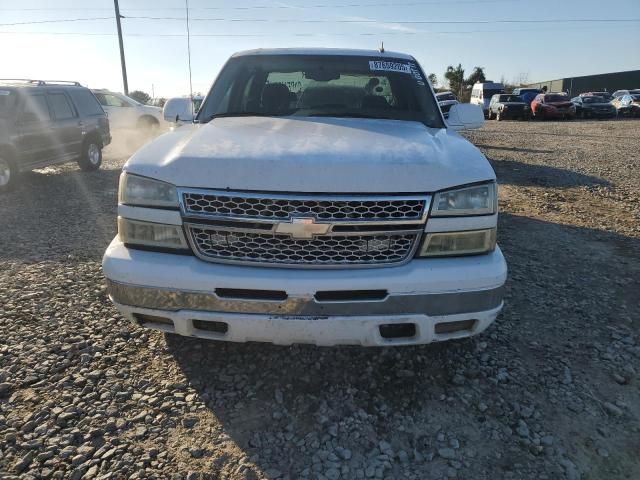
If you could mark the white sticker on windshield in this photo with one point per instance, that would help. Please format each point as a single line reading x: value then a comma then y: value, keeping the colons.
x: 415, y: 71
x: 5, y: 92
x: 389, y: 66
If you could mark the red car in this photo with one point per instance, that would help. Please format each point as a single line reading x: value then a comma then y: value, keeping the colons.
x: 552, y: 105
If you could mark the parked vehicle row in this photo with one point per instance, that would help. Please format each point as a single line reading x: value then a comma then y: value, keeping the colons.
x: 49, y: 122
x: 559, y: 106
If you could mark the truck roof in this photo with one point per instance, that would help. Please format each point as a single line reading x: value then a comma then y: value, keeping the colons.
x: 323, y: 51
x: 488, y: 84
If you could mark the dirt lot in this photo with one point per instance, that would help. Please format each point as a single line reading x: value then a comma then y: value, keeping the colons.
x: 550, y: 391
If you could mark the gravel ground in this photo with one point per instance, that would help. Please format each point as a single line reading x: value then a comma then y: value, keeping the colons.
x: 550, y: 391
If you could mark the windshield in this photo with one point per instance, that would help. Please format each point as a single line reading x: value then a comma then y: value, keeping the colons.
x: 488, y: 93
x: 555, y: 98
x: 445, y: 96
x: 7, y: 100
x: 509, y: 98
x: 635, y: 98
x: 321, y: 85
x: 593, y: 100
x: 130, y: 100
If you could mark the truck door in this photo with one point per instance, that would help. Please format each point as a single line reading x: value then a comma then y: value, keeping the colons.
x: 35, y: 136
x: 67, y: 127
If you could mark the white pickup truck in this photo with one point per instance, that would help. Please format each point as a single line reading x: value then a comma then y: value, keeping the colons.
x: 319, y: 197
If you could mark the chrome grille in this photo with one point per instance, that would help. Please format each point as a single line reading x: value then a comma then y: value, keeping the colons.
x: 277, y: 207
x: 303, y: 230
x: 362, y: 249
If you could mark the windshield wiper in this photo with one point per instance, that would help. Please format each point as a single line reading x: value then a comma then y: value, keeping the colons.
x: 237, y: 114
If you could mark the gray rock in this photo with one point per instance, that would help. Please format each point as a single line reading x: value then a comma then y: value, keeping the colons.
x: 612, y: 409
x: 5, y: 388
x: 196, y: 452
x: 332, y: 474
x: 570, y: 469
x: 23, y: 463
x: 448, y: 453
x: 522, y: 429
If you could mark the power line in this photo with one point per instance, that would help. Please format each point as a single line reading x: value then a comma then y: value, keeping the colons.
x: 277, y: 7
x: 339, y: 21
x: 300, y: 34
x: 64, y: 20
x: 403, y: 22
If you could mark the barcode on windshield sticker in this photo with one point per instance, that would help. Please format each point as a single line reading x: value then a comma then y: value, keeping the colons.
x: 389, y: 66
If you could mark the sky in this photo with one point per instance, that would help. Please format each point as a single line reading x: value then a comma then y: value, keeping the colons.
x: 84, y: 47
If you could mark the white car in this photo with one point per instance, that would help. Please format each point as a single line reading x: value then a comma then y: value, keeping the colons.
x: 181, y: 110
x: 126, y: 114
x: 319, y: 198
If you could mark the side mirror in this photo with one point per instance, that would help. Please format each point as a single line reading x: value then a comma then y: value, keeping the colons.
x: 465, y: 116
x: 170, y: 115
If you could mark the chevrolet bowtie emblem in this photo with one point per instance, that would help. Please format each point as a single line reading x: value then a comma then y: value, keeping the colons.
x: 302, y: 228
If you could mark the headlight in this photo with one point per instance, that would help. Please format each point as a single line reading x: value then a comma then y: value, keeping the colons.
x: 135, y: 232
x: 472, y: 242
x: 146, y: 192
x: 476, y: 200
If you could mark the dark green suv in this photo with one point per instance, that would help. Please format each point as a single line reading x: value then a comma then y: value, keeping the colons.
x: 45, y: 123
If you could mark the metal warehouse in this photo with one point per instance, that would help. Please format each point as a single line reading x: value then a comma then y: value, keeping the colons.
x: 609, y: 82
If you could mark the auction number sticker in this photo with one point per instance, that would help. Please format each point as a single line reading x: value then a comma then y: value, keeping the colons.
x: 389, y: 66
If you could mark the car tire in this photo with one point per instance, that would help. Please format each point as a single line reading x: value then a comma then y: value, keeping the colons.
x: 91, y: 157
x: 148, y: 125
x: 8, y: 173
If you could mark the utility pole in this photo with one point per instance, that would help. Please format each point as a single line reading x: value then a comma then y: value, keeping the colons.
x: 186, y: 7
x: 122, y: 62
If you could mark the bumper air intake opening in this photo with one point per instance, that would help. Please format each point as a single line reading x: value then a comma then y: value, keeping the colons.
x: 351, y: 295
x: 242, y: 294
x: 394, y: 331
x: 444, y: 328
x: 214, y: 327
x: 152, y: 321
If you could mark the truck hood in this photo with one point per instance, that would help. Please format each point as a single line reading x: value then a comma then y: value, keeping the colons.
x: 312, y: 155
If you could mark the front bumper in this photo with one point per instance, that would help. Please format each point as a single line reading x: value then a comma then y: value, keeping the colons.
x: 186, y: 293
x: 517, y: 114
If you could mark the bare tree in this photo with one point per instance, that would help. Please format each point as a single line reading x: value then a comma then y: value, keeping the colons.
x: 140, y: 96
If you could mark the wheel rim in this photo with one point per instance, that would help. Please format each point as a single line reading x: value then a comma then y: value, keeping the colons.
x: 5, y: 173
x: 93, y: 154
